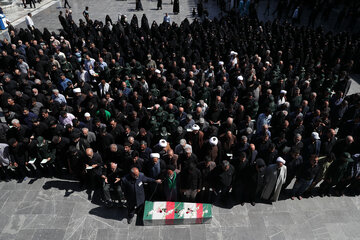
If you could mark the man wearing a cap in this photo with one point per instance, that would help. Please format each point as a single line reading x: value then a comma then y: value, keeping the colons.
x: 312, y: 145
x: 196, y: 139
x: 275, y: 177
x: 155, y: 168
x: 282, y: 98
x: 161, y: 147
x: 212, y: 148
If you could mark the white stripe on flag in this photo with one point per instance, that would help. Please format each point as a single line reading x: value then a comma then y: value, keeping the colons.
x: 189, y: 210
x: 158, y: 210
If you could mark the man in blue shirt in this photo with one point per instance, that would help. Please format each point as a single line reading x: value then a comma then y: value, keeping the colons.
x: 58, y: 97
x: 103, y: 65
x: 63, y: 84
x: 166, y: 18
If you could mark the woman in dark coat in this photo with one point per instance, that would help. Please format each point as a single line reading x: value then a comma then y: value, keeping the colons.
x: 139, y: 5
x: 176, y: 8
x: 159, y: 4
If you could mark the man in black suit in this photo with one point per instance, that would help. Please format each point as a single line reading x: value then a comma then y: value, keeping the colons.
x: 111, y: 180
x: 133, y: 187
x: 93, y: 164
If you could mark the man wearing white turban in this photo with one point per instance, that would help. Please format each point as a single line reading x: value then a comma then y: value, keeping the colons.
x: 275, y: 177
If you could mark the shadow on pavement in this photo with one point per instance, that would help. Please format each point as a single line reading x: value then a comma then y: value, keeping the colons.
x: 69, y: 187
x: 109, y: 213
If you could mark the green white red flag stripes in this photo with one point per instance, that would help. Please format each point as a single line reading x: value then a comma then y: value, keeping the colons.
x: 176, y: 213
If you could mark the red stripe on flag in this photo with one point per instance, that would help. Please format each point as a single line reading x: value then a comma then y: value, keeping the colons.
x: 170, y: 213
x: 199, y: 213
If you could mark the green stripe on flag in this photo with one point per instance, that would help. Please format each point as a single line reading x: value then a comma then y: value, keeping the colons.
x: 178, y: 213
x: 207, y: 211
x: 149, y: 207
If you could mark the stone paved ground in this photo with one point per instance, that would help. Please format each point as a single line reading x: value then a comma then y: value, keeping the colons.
x: 55, y: 209
x: 99, y: 9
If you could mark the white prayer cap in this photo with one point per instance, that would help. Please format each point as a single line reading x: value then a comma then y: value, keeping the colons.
x: 162, y: 143
x: 283, y: 92
x: 195, y: 127
x: 213, y: 141
x: 154, y: 155
x: 87, y: 114
x: 77, y: 90
x: 280, y: 159
x: 240, y: 78
x: 221, y: 63
x: 157, y: 71
x: 232, y: 53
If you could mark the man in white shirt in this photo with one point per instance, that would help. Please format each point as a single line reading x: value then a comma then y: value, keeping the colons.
x: 29, y: 22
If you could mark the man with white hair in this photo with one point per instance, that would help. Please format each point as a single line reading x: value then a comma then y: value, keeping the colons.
x: 18, y: 131
x: 275, y: 177
x: 112, y: 180
x: 58, y: 97
x: 89, y: 136
x: 187, y: 158
x: 180, y: 148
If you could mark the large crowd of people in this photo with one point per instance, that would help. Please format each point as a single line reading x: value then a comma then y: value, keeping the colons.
x: 220, y: 110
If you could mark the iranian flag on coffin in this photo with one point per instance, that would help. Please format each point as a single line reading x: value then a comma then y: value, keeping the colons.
x: 159, y: 213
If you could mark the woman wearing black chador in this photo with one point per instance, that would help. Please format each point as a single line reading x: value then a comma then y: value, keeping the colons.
x: 176, y: 8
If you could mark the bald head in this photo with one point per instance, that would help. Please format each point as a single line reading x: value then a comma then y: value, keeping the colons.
x: 135, y: 172
x: 89, y: 152
x: 349, y: 139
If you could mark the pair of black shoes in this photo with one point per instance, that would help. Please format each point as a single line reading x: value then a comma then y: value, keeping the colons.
x: 252, y: 203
